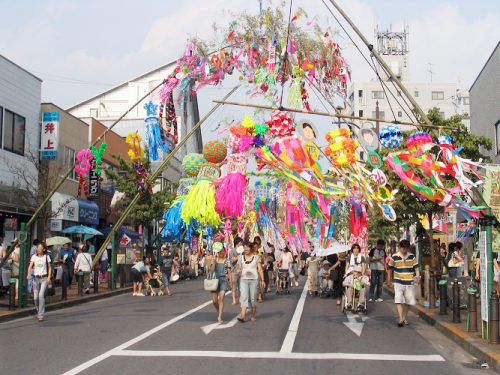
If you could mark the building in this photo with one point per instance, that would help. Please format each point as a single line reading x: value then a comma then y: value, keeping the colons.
x: 108, y: 106
x: 20, y: 94
x: 67, y: 207
x: 394, y: 49
x: 485, y: 103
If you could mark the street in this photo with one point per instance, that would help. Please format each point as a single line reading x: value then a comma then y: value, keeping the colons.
x: 176, y: 335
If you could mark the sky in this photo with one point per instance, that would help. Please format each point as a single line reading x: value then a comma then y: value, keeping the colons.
x: 83, y: 47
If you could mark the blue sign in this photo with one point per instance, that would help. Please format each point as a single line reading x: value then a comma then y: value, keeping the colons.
x: 88, y: 212
x: 49, y: 140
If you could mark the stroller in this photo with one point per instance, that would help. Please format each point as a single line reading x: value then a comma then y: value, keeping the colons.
x: 154, y: 286
x: 283, y: 281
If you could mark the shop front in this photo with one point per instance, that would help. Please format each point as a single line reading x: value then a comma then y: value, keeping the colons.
x: 69, y: 211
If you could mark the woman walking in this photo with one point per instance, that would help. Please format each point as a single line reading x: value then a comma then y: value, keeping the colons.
x: 42, y: 269
x: 250, y: 270
x: 83, y: 264
x: 221, y: 269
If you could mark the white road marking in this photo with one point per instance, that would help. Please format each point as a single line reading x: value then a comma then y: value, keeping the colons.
x: 353, y: 324
x: 209, y: 328
x: 289, y: 340
x: 133, y: 341
x: 281, y: 355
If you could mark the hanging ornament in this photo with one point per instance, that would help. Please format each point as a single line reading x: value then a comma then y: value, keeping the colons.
x: 342, y: 148
x: 230, y: 193
x: 280, y: 124
x: 390, y: 136
x: 192, y: 163
x: 214, y: 151
x: 82, y: 169
x: 135, y: 152
x: 98, y: 153
x: 156, y: 137
x: 419, y: 141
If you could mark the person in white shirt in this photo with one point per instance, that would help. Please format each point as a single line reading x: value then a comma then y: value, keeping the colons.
x: 137, y: 272
x: 83, y: 264
x: 42, y: 269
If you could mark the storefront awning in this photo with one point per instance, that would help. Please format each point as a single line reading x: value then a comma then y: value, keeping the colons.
x: 74, y: 209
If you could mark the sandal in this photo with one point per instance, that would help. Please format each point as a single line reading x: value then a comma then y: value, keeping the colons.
x: 240, y: 319
x: 406, y: 323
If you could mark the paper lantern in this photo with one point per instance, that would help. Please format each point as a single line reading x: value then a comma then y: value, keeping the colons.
x: 192, y: 163
x: 418, y: 141
x: 215, y: 151
x: 390, y: 136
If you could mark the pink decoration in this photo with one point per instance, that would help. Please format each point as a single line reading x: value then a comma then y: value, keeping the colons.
x: 245, y: 143
x: 84, y: 158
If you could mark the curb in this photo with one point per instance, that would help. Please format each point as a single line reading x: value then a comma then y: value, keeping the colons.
x: 479, y: 348
x: 63, y: 304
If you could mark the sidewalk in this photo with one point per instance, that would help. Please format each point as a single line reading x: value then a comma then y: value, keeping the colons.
x: 55, y: 303
x: 470, y: 341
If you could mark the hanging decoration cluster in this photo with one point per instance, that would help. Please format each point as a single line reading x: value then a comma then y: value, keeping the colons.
x: 136, y: 154
x: 82, y: 168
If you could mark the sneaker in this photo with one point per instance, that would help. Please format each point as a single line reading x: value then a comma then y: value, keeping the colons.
x: 361, y: 307
x: 379, y: 300
x: 140, y: 295
x: 296, y: 283
x: 134, y: 294
x: 370, y: 300
x: 406, y: 323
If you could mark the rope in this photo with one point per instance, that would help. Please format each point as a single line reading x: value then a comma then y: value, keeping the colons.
x: 383, y: 89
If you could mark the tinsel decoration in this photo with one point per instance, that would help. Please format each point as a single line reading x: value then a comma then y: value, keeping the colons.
x: 98, y: 153
x: 155, y: 136
x: 82, y: 168
x: 280, y: 124
x: 167, y: 113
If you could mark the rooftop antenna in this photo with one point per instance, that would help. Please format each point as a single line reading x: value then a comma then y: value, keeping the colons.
x: 431, y: 72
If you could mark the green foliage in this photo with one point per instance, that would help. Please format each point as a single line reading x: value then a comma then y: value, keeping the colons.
x: 150, y: 206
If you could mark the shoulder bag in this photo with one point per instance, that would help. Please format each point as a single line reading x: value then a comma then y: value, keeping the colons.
x: 211, y: 284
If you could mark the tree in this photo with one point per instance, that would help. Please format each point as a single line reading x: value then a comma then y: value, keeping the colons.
x: 151, y: 206
x: 407, y: 205
x: 34, y: 180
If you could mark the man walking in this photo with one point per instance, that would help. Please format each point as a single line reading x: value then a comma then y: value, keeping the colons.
x: 376, y: 257
x: 166, y: 268
x: 404, y: 269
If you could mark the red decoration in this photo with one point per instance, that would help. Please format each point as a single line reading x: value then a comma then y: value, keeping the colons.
x: 280, y: 124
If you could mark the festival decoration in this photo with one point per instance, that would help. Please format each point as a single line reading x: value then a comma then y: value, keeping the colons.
x: 214, y: 151
x: 230, y: 192
x: 419, y: 141
x: 298, y: 240
x: 185, y: 185
x: 390, y: 136
x: 82, y: 168
x: 155, y: 136
x: 280, y: 124
x: 136, y: 154
x: 342, y: 148
x: 174, y: 225
x: 98, y: 153
x: 192, y: 163
x: 374, y: 160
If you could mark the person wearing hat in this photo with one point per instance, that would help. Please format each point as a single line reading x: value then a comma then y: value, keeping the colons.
x: 356, y: 281
x: 221, y: 269
x: 324, y: 276
x: 166, y: 269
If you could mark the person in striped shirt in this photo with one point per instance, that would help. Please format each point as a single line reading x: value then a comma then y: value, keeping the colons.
x: 403, y: 267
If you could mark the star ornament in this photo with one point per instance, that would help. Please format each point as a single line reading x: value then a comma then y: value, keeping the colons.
x: 150, y: 108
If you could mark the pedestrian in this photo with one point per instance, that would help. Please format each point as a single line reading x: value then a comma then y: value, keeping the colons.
x: 250, y: 270
x: 67, y: 261
x: 355, y: 259
x: 136, y: 272
x: 233, y: 256
x: 459, y: 248
x: 166, y: 269
x: 41, y: 267
x: 193, y: 262
x: 221, y: 269
x: 337, y: 273
x: 312, y: 264
x: 34, y: 247
x: 104, y: 263
x: 83, y: 265
x: 443, y: 258
x: 6, y: 267
x: 356, y: 281
x: 209, y: 259
x: 90, y: 247
x: 404, y: 269
x: 14, y: 256
x: 376, y: 258
x: 455, y: 260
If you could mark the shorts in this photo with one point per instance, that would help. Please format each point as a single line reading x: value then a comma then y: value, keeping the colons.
x: 136, y: 276
x: 404, y: 294
x: 165, y: 277
x: 223, y: 284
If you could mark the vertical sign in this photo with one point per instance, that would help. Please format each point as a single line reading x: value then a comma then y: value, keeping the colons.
x: 93, y: 182
x: 492, y: 197
x: 49, y: 136
x: 483, y: 257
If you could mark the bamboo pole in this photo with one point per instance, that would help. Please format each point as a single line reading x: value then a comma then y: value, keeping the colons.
x: 152, y: 177
x: 327, y: 114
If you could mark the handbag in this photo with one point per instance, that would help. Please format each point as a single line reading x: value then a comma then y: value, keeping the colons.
x: 211, y: 285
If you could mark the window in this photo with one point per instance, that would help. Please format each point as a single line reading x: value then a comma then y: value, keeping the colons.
x: 360, y: 113
x: 381, y: 115
x: 437, y: 95
x: 497, y: 137
x: 415, y: 94
x: 378, y: 95
x: 360, y: 93
x: 14, y: 127
x: 94, y: 112
x: 466, y: 100
x: 400, y: 114
x: 68, y: 159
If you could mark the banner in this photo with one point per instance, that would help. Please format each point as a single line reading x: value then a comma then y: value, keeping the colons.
x: 492, y: 197
x: 49, y: 136
x: 93, y: 182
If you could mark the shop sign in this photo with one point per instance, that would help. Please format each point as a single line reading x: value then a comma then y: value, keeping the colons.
x: 483, y: 259
x: 49, y: 136
x: 56, y: 225
x: 93, y: 182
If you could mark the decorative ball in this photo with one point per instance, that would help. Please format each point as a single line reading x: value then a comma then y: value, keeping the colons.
x: 280, y: 124
x: 445, y: 140
x: 215, y: 151
x: 217, y: 246
x: 390, y: 136
x: 192, y: 163
x: 418, y: 140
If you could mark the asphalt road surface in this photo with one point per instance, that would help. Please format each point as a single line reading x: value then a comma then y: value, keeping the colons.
x: 293, y: 334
